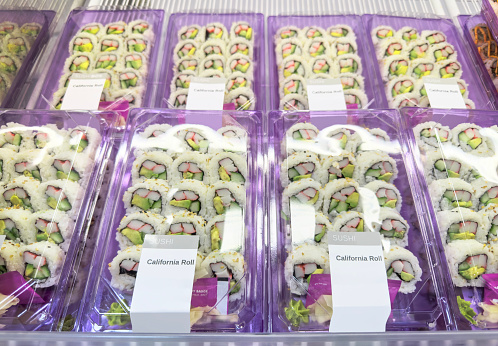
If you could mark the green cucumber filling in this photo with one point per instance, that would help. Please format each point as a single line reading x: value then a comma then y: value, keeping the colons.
x: 186, y: 199
x: 387, y: 198
x: 320, y: 231
x: 65, y: 170
x: 228, y: 171
x: 451, y: 168
x: 403, y: 270
x: 136, y: 230
x: 492, y: 234
x: 470, y: 137
x: 341, y: 169
x: 79, y: 140
x: 345, y: 48
x: 418, y: 51
x: 304, y: 134
x: 196, y: 142
x: 473, y: 267
x: 139, y: 46
x: 128, y: 80
x: 17, y: 197
x: 80, y: 63
x: 392, y: 228
x: 182, y: 228
x: 490, y: 196
x: 46, y: 230
x: 91, y: 29
x: 342, y: 138
x: 321, y: 66
x: 36, y: 266
x: 190, y: 170
x: 224, y: 200
x: 214, y: 31
x: 7, y: 65
x: 9, y: 229
x: 457, y: 198
x: 462, y: 231
x: 12, y: 138
x: 422, y: 70
x: 221, y: 270
x: 140, y: 28
x: 16, y: 46
x: 82, y: 44
x: 431, y: 134
x: 339, y: 32
x: 146, y: 199
x: 449, y: 70
x: 41, y: 139
x: 402, y: 87
x: 288, y: 33
x: 344, y: 200
x: 307, y: 196
x: 152, y: 170
x: 115, y: 29
x: 133, y: 61
x: 243, y: 30
x: 107, y: 61
x: 27, y: 169
x: 304, y: 170
x: 183, y: 81
x: 349, y: 83
x: 410, y: 35
x: 382, y: 170
x: 57, y: 199
x: 190, y: 33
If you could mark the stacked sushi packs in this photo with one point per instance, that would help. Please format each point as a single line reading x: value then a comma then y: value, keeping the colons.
x: 15, y: 43
x: 316, y: 53
x: 118, y: 50
x: 345, y: 176
x: 44, y: 172
x: 186, y: 180
x: 488, y: 50
x: 460, y: 169
x: 407, y: 55
x: 212, y: 52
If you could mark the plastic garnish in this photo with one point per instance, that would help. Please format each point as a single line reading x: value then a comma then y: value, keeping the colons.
x: 117, y: 315
x: 297, y: 313
x: 466, y: 310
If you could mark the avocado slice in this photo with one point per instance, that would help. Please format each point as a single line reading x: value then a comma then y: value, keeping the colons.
x: 391, y: 203
x: 193, y: 145
x: 333, y: 205
x: 484, y: 198
x: 492, y: 201
x: 373, y: 172
x: 28, y: 271
x: 64, y: 205
x: 474, y: 143
x: 218, y: 205
x: 386, y: 177
x: 299, y: 177
x: 223, y: 174
x: 319, y: 236
x: 234, y: 289
x: 52, y: 202
x: 472, y: 273
x: 141, y: 202
x: 390, y: 272
x: 215, y: 239
x: 57, y: 237
x: 181, y: 204
x: 353, y: 199
x: 133, y: 235
x: 188, y: 175
x: 399, y: 235
x: 462, y: 236
x: 317, y: 271
x: 314, y: 199
x: 452, y: 174
x: 348, y: 171
x: 406, y: 276
x: 17, y: 139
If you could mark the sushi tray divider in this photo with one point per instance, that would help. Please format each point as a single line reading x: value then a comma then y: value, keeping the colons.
x: 430, y: 308
x: 475, y: 87
x: 467, y: 23
x: 98, y: 290
x: 274, y: 23
x: 105, y: 15
x: 179, y: 20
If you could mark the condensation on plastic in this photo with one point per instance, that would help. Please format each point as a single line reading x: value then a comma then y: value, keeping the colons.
x: 326, y: 21
x: 414, y: 311
x: 45, y: 316
x: 476, y: 91
x: 179, y: 20
x: 81, y: 16
x: 245, y: 314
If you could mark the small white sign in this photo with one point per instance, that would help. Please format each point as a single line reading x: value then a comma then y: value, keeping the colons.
x: 2, y: 239
x: 444, y: 93
x: 325, y: 95
x: 163, y: 288
x: 360, y: 293
x: 84, y: 92
x: 302, y: 222
x: 206, y: 94
x: 233, y: 234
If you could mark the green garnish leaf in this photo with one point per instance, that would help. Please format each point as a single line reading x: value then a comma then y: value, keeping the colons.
x: 466, y: 310
x: 117, y: 315
x: 297, y: 313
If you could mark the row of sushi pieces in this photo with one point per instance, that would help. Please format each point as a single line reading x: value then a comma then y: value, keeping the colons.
x: 488, y: 50
x: 208, y: 52
x: 466, y: 203
x: 406, y: 56
x: 319, y: 56
x: 122, y: 55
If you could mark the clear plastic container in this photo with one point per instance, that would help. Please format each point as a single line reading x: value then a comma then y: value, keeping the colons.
x: 50, y: 186
x: 417, y: 308
x: 106, y: 298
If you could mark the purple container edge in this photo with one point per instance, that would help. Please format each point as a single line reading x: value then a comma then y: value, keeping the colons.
x: 490, y: 17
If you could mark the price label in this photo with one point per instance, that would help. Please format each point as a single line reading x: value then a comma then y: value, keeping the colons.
x: 444, y: 93
x: 325, y: 94
x: 84, y: 92
x: 206, y: 94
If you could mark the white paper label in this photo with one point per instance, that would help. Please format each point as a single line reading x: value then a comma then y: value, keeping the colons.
x: 233, y: 230
x: 325, y: 95
x: 444, y: 93
x: 206, y: 94
x: 2, y: 239
x: 360, y: 293
x: 83, y: 92
x: 163, y: 288
x: 302, y: 222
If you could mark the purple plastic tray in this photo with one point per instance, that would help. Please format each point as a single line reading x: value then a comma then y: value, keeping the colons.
x: 468, y: 23
x: 414, y: 311
x: 46, y: 316
x: 179, y: 20
x: 490, y: 16
x: 99, y: 294
x: 450, y: 118
x: 477, y: 92
x: 79, y: 18
x: 354, y: 21
x: 20, y: 17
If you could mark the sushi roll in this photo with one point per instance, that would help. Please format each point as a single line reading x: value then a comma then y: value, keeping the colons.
x: 223, y: 196
x: 469, y: 104
x: 418, y: 49
x: 286, y: 32
x: 135, y: 61
x: 16, y: 45
x: 407, y: 34
x: 238, y: 80
x: 30, y: 30
x: 228, y: 167
x: 5, y: 156
x: 78, y: 62
x: 393, y: 227
x: 242, y: 30
x: 343, y: 46
x: 443, y: 51
x: 124, y: 268
x: 317, y: 47
x: 43, y: 263
x: 433, y: 36
x: 462, y: 224
x: 7, y: 28
x: 340, y: 196
x: 490, y: 223
x: 387, y: 194
x: 467, y: 261
x: 10, y: 65
x: 293, y: 84
x: 352, y: 81
x: 187, y: 63
x: 486, y: 193
x: 373, y: 166
x: 300, y: 166
x: 57, y: 98
x: 28, y: 163
x: 395, y: 66
x: 139, y: 44
x: 195, y: 138
x: 243, y: 98
x: 96, y: 29
x: 337, y: 167
x: 293, y: 102
x: 437, y: 166
x: 134, y: 227
x: 15, y: 225
x: 341, y: 31
x: 187, y: 195
x: 215, y: 62
x: 11, y: 257
x: 129, y: 78
x: 213, y: 47
x: 178, y: 99
x: 234, y: 134
x: 447, y: 194
x: 67, y: 166
x: 390, y: 47
x: 115, y: 28
x: 149, y: 195
x: 53, y: 226
x: 288, y: 47
x: 49, y: 137
x: 336, y: 139
x: 212, y: 74
x: 5, y: 85
x: 110, y: 78
x: 449, y: 69
x: 405, y: 100
x: 151, y: 165
x: 349, y: 63
x: 22, y: 192
x: 106, y: 60
x: 214, y: 234
x: 83, y: 43
x: 402, y: 265
x: 294, y: 65
x: 215, y: 31
x: 239, y: 63
x: 84, y: 139
x: 111, y: 43
x: 155, y: 130
x: 302, y: 262
x: 15, y: 137
x: 322, y: 229
x: 430, y: 134
x: 381, y: 33
x: 191, y: 32
x: 420, y: 68
x: 349, y: 221
x: 227, y: 265
x: 66, y: 77
x: 467, y: 137
x: 365, y: 139
x: 186, y: 223
x: 355, y: 99
x: 322, y: 64
x: 312, y: 32
x: 240, y: 46
x: 464, y: 88
x: 399, y: 86
x: 139, y: 27
x: 63, y: 195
